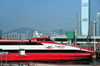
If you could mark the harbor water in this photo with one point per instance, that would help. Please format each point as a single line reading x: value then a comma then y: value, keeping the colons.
x: 89, y: 62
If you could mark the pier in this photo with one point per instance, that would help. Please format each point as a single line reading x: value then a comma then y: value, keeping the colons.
x: 98, y: 54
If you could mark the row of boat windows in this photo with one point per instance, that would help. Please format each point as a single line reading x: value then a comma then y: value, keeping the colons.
x: 20, y: 43
x: 48, y: 51
x: 43, y: 39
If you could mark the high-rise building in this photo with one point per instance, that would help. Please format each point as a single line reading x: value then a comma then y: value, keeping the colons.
x: 85, y: 14
x: 9, y: 36
x: 23, y: 36
x: 60, y: 32
x: 0, y: 33
x: 19, y: 36
x: 55, y: 31
x: 26, y: 34
x: 53, y: 34
x: 78, y: 27
x: 91, y: 29
x: 98, y: 24
x: 5, y: 36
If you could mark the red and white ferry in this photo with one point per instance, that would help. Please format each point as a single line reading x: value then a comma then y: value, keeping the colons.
x: 41, y: 48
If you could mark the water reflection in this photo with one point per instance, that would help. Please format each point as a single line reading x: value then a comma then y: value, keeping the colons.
x: 54, y: 63
x: 84, y: 62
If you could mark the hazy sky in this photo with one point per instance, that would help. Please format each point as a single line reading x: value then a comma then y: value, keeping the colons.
x: 44, y: 15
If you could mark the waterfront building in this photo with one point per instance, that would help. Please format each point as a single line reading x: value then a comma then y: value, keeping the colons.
x: 78, y: 27
x: 98, y: 24
x: 9, y: 36
x: 14, y: 35
x: 19, y: 36
x: 45, y: 34
x: 55, y: 31
x: 60, y: 32
x: 5, y: 36
x: 26, y: 34
x: 91, y: 29
x: 54, y: 34
x: 33, y: 34
x: 23, y: 36
x: 85, y: 14
x: 80, y: 39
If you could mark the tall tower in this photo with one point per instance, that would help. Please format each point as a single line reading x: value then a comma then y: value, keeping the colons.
x: 91, y: 31
x: 78, y: 24
x: 98, y: 24
x: 85, y: 14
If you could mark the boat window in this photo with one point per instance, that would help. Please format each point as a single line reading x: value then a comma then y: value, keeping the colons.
x: 8, y: 43
x: 39, y: 39
x: 48, y: 40
x: 33, y: 43
x: 44, y: 40
x: 20, y: 43
x: 59, y: 51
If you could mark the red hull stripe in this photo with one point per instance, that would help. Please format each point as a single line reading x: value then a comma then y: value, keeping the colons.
x: 40, y: 57
x: 45, y: 56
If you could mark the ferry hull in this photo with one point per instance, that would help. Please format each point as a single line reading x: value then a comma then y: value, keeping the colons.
x: 46, y: 56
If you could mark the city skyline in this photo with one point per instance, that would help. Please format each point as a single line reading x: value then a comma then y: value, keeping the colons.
x: 26, y: 34
x: 44, y: 15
